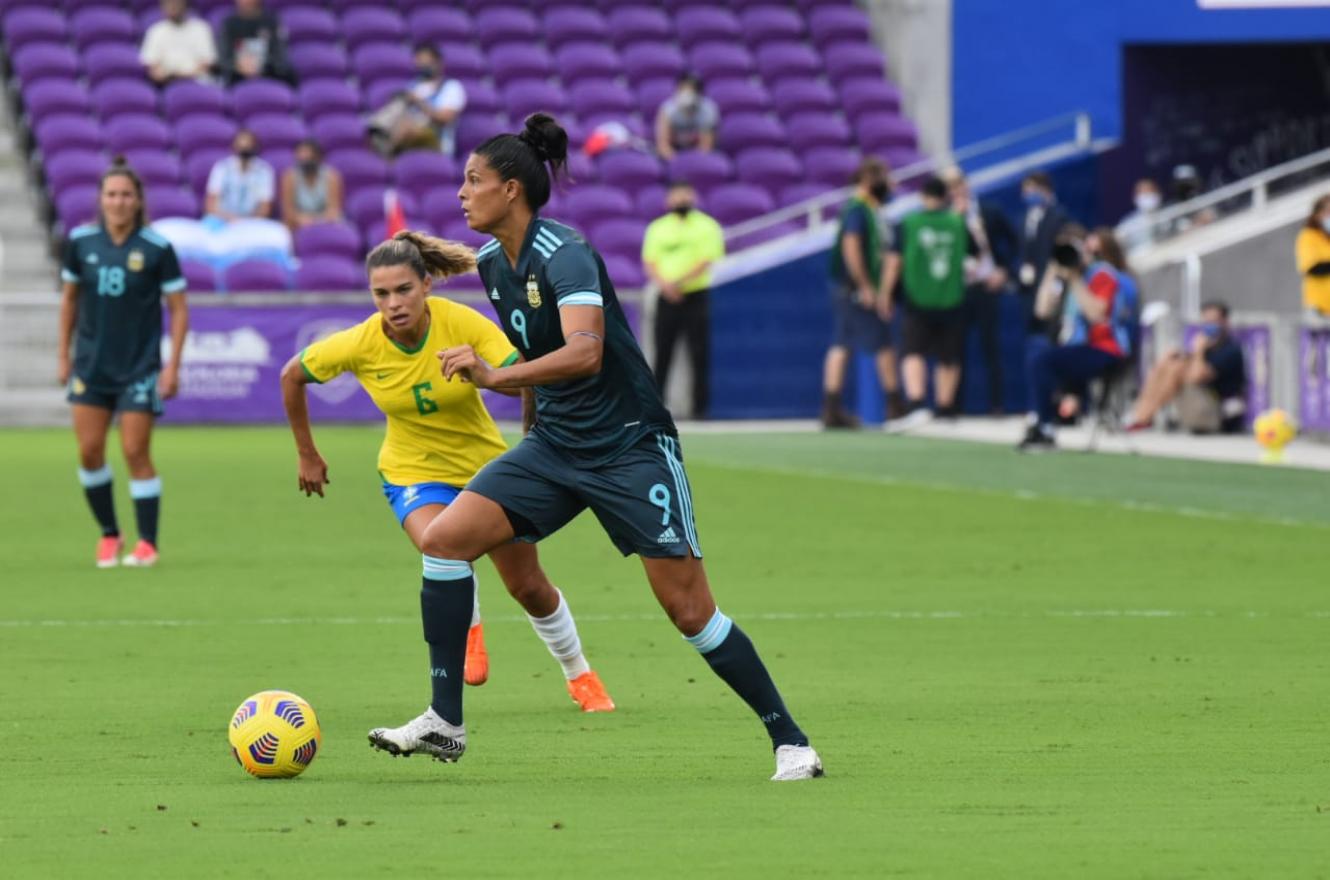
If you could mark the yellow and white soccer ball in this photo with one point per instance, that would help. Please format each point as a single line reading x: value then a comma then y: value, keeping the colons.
x: 1274, y: 429
x: 274, y: 735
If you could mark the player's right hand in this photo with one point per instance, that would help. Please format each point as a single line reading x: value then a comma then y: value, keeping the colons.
x: 313, y: 475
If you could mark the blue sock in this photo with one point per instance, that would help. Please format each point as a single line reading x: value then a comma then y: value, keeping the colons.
x: 147, y: 495
x: 732, y: 656
x: 446, y: 597
x: 97, y: 489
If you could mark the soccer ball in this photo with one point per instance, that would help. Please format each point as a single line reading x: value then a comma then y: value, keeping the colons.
x: 1274, y: 429
x: 274, y: 735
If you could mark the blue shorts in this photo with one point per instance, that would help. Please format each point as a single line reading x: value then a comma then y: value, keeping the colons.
x: 138, y: 396
x: 856, y: 327
x: 404, y: 499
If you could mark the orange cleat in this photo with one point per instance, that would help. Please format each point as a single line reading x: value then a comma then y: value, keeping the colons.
x: 588, y: 692
x: 477, y: 670
x: 108, y: 551
x: 144, y: 556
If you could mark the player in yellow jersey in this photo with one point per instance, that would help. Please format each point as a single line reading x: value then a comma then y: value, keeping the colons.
x: 439, y: 434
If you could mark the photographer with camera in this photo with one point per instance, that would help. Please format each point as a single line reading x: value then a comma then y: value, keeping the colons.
x: 1098, y: 302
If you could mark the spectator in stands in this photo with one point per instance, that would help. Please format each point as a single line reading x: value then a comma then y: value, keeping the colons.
x: 1313, y: 254
x: 311, y: 189
x: 424, y: 116
x: 1210, y: 383
x: 1137, y: 228
x: 687, y: 120
x: 1100, y: 309
x: 253, y: 44
x: 1043, y: 221
x: 180, y: 46
x: 927, y: 256
x: 241, y: 185
x: 1187, y: 186
x: 987, y: 276
x: 678, y: 251
x: 858, y: 296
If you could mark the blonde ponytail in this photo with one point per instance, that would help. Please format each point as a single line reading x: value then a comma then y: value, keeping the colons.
x: 429, y: 256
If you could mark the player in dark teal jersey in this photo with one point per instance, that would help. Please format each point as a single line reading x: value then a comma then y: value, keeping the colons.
x: 601, y: 439
x: 116, y: 273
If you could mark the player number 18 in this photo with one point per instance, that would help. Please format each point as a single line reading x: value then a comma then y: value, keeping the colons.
x: 110, y: 281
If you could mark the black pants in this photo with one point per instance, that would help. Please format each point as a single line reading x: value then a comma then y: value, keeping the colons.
x: 690, y: 319
x: 983, y: 312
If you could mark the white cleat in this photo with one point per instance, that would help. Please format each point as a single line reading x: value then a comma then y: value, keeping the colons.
x: 796, y: 762
x: 429, y: 734
x: 907, y: 423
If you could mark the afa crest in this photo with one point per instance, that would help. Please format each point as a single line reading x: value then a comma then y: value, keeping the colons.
x: 533, y: 291
x: 76, y: 385
x: 134, y: 262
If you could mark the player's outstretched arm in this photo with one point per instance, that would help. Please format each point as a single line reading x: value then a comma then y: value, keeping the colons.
x: 313, y: 470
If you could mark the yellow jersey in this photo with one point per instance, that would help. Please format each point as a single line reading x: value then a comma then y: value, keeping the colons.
x: 438, y: 431
x: 677, y: 244
x: 1313, y: 246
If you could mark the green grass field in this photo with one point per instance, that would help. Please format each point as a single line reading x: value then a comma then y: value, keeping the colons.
x: 1061, y: 666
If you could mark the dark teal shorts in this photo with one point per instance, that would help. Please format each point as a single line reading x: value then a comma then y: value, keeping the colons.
x: 138, y: 396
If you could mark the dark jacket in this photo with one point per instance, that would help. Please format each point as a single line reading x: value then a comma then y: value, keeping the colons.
x: 1037, y: 248
x: 1003, y: 243
x: 236, y: 30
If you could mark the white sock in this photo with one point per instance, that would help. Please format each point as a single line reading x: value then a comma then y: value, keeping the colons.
x: 475, y: 603
x: 559, y: 633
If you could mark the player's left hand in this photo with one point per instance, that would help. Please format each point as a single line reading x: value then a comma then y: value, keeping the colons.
x: 168, y: 382
x: 463, y: 362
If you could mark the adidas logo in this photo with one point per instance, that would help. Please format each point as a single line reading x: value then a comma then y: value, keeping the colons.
x: 92, y: 258
x: 494, y: 294
x: 668, y: 537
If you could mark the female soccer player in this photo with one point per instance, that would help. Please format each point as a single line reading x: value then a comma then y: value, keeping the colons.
x: 116, y: 273
x: 602, y: 439
x: 439, y: 434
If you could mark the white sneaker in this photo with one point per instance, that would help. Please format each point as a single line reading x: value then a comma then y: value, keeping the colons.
x: 429, y: 734
x: 916, y: 419
x: 796, y: 762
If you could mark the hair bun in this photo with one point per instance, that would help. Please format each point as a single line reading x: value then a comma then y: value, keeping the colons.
x: 546, y: 138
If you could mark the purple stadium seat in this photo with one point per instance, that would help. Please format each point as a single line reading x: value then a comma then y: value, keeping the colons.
x: 185, y: 98
x: 481, y: 97
x: 365, y: 25
x: 116, y: 97
x: 704, y: 171
x: 801, y: 192
x: 360, y: 168
x: 144, y: 20
x: 464, y: 61
x: 637, y: 127
x: 377, y: 232
x: 278, y: 131
x: 440, y: 207
x: 581, y: 167
x: 338, y: 132
x: 716, y: 60
x: 474, y: 129
x: 108, y: 60
x: 24, y: 27
x: 435, y: 25
x: 199, y: 131
x: 327, y: 97
x: 809, y: 131
x: 101, y: 25
x: 739, y: 96
x: 903, y: 158
x: 600, y: 96
x: 330, y: 272
x: 642, y: 61
x: 770, y: 24
x: 198, y: 165
x: 592, y: 203
x: 531, y: 95
x: 651, y: 93
x: 255, y: 96
x: 280, y: 158
x: 170, y: 201
x: 68, y: 132
x: 53, y: 96
x: 860, y: 96
x: 621, y: 237
x: 156, y: 168
x: 136, y: 131
x: 702, y: 24
x: 76, y: 206
x: 573, y: 24
x: 255, y: 276
x: 327, y: 239
x: 307, y: 24
x: 629, y: 169
x: 625, y: 273
x: 382, y: 91
x: 741, y: 130
x: 374, y: 62
x: 649, y: 203
x: 505, y: 24
x: 583, y: 61
x: 828, y: 24
x: 70, y: 168
x: 831, y: 166
x: 854, y: 59
x: 36, y: 62
x: 736, y: 202
x: 769, y: 167
x: 316, y: 61
x: 510, y: 62
x: 199, y: 277
x: 457, y: 230
x: 631, y: 24
x: 878, y: 132
x: 807, y: 6
x: 766, y: 234
x: 424, y: 169
x: 778, y: 61
x: 793, y: 96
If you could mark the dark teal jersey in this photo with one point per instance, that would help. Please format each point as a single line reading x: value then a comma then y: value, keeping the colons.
x: 118, y: 339
x: 591, y: 419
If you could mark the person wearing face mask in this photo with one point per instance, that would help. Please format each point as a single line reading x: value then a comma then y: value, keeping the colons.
x: 311, y: 190
x: 1209, y: 382
x: 1313, y: 254
x: 180, y: 46
x: 241, y: 185
x: 423, y: 116
x: 1043, y: 222
x: 687, y: 120
x: 678, y: 252
x: 1137, y: 228
x: 253, y: 44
